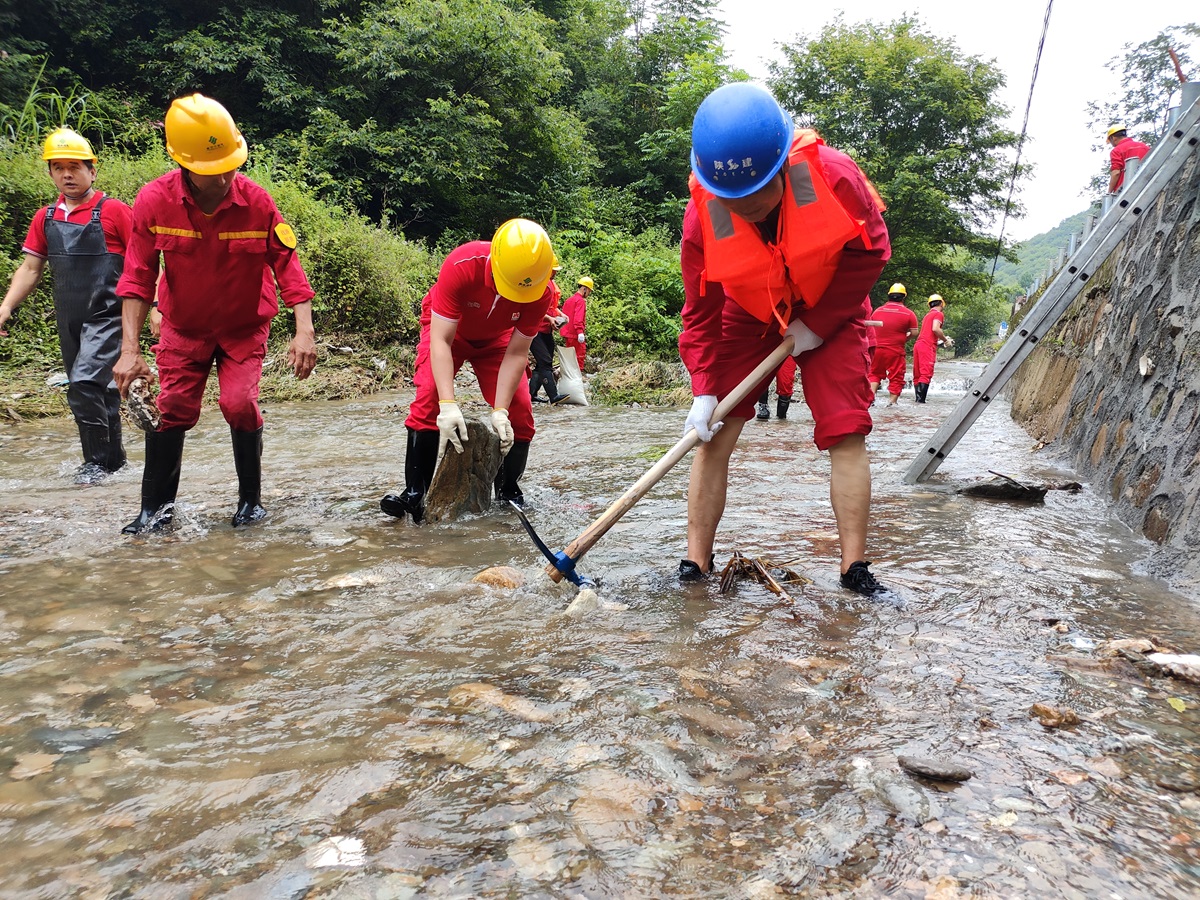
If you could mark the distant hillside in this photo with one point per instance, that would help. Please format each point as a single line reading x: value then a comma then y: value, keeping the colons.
x: 1038, y: 250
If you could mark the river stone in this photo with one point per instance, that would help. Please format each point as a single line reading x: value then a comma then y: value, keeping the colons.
x: 142, y: 406
x: 937, y: 769
x: 463, y: 482
x: 500, y: 576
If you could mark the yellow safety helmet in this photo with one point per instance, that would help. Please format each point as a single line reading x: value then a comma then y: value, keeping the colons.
x: 63, y: 143
x: 936, y: 298
x: 1116, y: 129
x: 202, y: 138
x: 897, y: 288
x: 586, y: 282
x: 522, y: 260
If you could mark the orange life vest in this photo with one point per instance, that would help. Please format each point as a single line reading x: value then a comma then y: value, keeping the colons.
x: 767, y: 280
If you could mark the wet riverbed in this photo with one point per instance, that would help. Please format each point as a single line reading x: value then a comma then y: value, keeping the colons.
x: 326, y: 706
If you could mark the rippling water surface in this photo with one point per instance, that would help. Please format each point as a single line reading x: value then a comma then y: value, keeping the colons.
x: 326, y: 706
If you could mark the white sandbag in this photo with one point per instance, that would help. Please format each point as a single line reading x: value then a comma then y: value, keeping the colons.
x: 570, y: 381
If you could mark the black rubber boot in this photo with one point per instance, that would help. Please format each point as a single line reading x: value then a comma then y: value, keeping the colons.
x: 247, y: 459
x: 763, y: 411
x: 116, y: 447
x: 511, y: 470
x: 420, y: 461
x: 94, y: 440
x: 781, y: 407
x: 921, y: 388
x: 160, y: 481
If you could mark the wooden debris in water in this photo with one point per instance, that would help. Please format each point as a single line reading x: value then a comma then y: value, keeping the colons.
x: 759, y: 569
x: 1002, y: 487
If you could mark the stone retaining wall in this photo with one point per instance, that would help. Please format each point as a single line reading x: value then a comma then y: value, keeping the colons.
x: 1116, y: 383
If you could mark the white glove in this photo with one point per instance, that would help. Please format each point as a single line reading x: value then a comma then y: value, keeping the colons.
x: 504, y: 429
x: 702, y: 409
x: 452, y: 427
x: 581, y: 340
x: 805, y: 338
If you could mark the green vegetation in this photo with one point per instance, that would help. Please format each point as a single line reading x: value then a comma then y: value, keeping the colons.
x: 391, y: 130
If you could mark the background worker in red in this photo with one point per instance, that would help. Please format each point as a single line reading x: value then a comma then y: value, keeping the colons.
x: 1124, y: 148
x: 899, y: 323
x: 783, y: 235
x: 224, y: 248
x: 785, y: 386
x: 925, y: 349
x: 484, y: 308
x: 575, y: 309
x: 82, y: 236
x: 544, y: 352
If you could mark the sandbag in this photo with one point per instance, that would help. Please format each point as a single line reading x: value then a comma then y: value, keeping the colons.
x: 570, y: 380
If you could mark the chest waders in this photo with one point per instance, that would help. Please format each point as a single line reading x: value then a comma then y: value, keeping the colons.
x: 88, y: 313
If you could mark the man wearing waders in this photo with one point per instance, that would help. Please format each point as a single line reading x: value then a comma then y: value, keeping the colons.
x: 83, y: 236
x: 224, y: 248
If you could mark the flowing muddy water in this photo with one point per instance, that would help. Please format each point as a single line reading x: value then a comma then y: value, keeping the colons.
x: 326, y: 706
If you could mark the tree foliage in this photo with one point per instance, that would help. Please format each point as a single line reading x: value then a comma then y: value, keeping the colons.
x: 923, y: 122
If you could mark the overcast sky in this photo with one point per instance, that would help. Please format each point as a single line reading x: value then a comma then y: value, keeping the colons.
x: 1083, y: 36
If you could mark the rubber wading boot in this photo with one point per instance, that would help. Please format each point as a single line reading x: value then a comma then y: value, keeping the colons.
x: 781, y: 407
x: 247, y: 459
x: 116, y: 447
x: 94, y: 440
x: 511, y: 470
x: 764, y: 411
x: 420, y: 461
x: 921, y: 388
x: 160, y: 481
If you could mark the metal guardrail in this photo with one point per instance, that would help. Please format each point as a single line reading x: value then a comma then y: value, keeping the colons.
x: 1142, y: 187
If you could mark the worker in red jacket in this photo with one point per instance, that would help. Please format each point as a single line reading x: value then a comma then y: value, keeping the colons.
x: 484, y: 308
x: 575, y: 309
x: 224, y: 248
x: 925, y: 349
x: 1124, y: 148
x: 898, y: 324
x: 782, y: 236
x: 82, y: 237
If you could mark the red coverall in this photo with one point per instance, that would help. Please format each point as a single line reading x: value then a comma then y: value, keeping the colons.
x: 889, y: 360
x: 721, y: 343
x: 925, y: 349
x: 575, y: 309
x: 465, y: 292
x: 217, y: 296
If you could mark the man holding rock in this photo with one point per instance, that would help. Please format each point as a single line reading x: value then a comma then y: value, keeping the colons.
x: 485, y: 308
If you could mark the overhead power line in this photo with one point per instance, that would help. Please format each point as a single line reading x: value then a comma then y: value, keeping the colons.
x: 1012, y: 182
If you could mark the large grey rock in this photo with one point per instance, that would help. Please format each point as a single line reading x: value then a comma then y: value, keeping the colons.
x: 463, y: 481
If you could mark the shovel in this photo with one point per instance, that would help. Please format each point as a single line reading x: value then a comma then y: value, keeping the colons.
x: 562, y: 564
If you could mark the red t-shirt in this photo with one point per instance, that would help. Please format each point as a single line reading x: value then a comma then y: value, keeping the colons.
x: 220, y: 271
x: 1126, y: 149
x: 844, y: 299
x: 465, y: 292
x: 115, y: 219
x: 897, y: 319
x: 927, y: 335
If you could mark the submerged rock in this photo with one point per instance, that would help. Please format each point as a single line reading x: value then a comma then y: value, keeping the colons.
x: 500, y: 576
x: 463, y: 482
x: 142, y: 407
x: 1054, y: 716
x: 1181, y: 665
x: 67, y: 740
x: 936, y: 769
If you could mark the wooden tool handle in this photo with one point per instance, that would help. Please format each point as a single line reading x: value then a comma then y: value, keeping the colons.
x: 582, y: 544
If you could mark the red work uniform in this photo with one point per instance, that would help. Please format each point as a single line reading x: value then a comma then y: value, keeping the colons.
x: 721, y: 343
x: 575, y: 309
x: 925, y: 349
x: 465, y: 293
x: 1127, y: 148
x: 218, y: 292
x: 889, y: 361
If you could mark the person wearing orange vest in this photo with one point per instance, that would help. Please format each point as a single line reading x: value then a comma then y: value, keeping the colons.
x: 782, y: 236
x: 897, y: 324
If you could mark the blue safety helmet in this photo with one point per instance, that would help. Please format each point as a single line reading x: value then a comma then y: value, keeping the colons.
x: 740, y: 138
